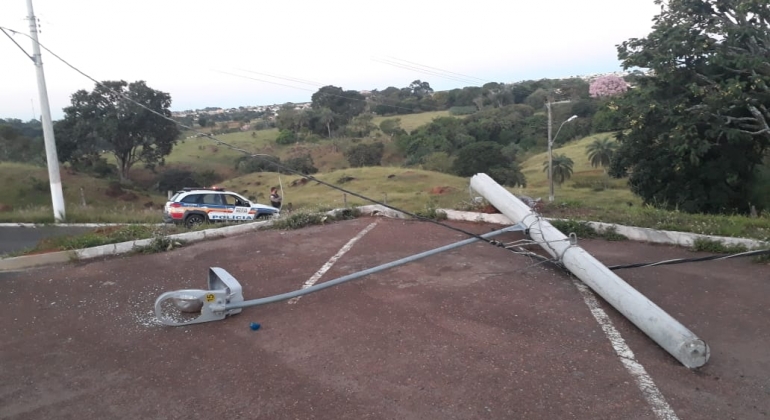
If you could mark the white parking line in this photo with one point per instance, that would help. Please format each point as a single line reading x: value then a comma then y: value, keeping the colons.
x: 315, y: 277
x: 651, y: 393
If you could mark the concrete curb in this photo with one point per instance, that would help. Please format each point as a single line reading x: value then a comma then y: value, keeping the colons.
x: 633, y: 233
x: 28, y: 261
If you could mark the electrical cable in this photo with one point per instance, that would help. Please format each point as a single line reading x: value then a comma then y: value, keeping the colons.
x: 689, y: 260
x: 376, y: 102
x: 419, y: 70
x: 438, y: 69
x: 17, y: 44
x: 261, y: 156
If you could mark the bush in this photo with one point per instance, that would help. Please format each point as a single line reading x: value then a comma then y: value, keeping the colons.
x: 462, y: 110
x: 302, y: 164
x: 365, y: 154
x: 286, y: 137
x: 438, y: 162
x: 249, y: 164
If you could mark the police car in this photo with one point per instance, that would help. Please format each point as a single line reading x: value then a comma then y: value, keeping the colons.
x: 193, y: 206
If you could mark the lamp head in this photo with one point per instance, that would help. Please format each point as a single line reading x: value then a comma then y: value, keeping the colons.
x: 572, y: 118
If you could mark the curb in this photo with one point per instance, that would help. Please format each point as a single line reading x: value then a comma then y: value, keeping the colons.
x: 633, y: 233
x: 28, y: 261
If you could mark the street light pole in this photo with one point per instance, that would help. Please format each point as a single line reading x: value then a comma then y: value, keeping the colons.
x: 57, y: 198
x: 550, y: 151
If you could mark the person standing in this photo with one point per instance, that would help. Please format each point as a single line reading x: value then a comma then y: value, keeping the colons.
x: 275, y: 198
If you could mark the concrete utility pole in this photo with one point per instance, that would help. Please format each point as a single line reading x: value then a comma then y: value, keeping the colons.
x: 57, y: 198
x: 674, y: 337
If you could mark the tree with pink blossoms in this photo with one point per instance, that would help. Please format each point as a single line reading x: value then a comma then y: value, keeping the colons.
x: 609, y: 85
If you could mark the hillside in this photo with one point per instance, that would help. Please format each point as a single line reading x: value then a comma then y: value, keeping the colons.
x: 588, y: 185
x: 411, y: 189
x: 26, y: 196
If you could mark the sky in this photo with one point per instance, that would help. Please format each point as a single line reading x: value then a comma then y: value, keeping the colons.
x: 207, y: 53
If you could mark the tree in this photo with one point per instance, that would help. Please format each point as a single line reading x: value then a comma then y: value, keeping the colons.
x: 487, y: 157
x: 361, y: 125
x: 202, y: 120
x: 15, y: 147
x: 345, y: 104
x: 326, y: 118
x: 609, y: 85
x: 392, y: 127
x: 105, y: 118
x: 562, y: 168
x: 600, y: 152
x: 365, y: 154
x: 698, y: 123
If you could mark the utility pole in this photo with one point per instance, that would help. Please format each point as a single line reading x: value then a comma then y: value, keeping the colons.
x: 550, y: 152
x: 57, y: 198
x: 548, y: 104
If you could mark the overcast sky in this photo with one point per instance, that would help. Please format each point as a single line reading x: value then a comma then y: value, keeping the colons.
x: 186, y: 47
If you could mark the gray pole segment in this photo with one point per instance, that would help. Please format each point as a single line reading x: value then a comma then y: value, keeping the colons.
x: 354, y: 276
x: 550, y: 155
x: 675, y: 338
x: 57, y: 198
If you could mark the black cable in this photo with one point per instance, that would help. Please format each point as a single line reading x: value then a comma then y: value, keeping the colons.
x: 441, y: 70
x: 260, y: 156
x: 689, y: 260
x: 311, y: 90
x: 17, y: 44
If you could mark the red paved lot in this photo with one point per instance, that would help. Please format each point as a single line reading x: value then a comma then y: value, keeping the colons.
x: 467, y: 334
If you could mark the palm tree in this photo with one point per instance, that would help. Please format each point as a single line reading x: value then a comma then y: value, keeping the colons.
x: 562, y: 168
x: 600, y: 152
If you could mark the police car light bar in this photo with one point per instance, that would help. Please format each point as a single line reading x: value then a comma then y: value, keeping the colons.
x: 202, y: 189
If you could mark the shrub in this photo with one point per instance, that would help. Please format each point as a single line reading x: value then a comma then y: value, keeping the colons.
x: 462, y: 110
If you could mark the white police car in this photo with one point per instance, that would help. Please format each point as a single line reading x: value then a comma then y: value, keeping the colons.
x: 193, y: 206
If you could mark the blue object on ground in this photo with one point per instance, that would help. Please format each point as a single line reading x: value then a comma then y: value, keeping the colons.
x: 254, y: 326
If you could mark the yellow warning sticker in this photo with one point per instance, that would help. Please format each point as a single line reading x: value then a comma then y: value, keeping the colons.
x: 210, y: 297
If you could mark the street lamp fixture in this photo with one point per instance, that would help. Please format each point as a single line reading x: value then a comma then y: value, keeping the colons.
x: 550, y: 151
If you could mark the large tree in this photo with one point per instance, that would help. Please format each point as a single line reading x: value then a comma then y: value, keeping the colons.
x: 345, y: 104
x: 698, y: 124
x: 104, y: 119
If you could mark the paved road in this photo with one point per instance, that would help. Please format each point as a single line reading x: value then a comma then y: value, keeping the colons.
x: 14, y: 239
x: 473, y: 333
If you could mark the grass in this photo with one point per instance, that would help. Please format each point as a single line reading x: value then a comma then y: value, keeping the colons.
x: 410, y: 189
x: 410, y: 122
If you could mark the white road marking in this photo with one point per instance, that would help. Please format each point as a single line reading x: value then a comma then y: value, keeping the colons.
x: 651, y: 393
x: 317, y: 276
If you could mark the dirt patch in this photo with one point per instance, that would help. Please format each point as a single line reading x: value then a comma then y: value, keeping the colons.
x: 299, y: 182
x: 5, y: 207
x: 489, y: 209
x: 441, y: 190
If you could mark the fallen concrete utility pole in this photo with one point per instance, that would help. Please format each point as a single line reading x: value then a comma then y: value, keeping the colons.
x: 674, y: 337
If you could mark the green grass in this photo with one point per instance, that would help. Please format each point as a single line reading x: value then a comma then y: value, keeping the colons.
x: 410, y: 122
x: 410, y: 189
x: 25, y: 197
